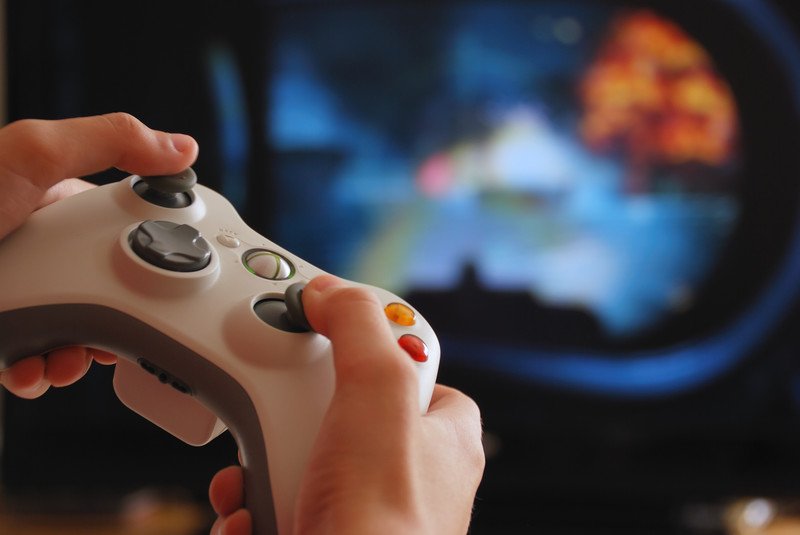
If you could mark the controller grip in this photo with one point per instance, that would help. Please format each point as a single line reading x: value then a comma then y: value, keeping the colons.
x: 38, y: 329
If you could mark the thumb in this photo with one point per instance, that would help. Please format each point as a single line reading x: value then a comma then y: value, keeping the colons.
x: 366, y: 355
x: 35, y: 155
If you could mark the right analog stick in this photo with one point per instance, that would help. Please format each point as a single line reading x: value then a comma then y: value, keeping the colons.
x: 294, y: 306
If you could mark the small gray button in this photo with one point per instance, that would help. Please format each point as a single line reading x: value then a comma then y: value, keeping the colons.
x: 268, y: 264
x: 171, y: 246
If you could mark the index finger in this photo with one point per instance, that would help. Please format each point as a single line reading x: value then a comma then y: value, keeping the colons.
x: 46, y: 152
x: 365, y: 353
x: 36, y: 154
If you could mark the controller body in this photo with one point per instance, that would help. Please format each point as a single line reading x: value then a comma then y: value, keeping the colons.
x: 109, y: 268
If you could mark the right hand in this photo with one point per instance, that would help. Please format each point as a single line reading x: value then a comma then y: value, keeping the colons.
x: 377, y: 466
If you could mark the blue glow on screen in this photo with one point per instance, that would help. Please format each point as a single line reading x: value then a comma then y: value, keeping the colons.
x: 404, y: 164
x: 231, y: 115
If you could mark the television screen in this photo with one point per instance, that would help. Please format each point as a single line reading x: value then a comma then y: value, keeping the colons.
x: 594, y: 204
x: 576, y: 161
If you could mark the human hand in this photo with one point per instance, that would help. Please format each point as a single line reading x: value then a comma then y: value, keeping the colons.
x: 37, y: 162
x: 377, y: 466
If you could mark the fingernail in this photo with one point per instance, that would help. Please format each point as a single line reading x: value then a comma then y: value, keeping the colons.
x: 181, y: 142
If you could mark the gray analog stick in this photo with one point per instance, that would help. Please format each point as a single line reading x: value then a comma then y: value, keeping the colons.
x: 285, y: 315
x: 169, y: 191
x: 294, y: 306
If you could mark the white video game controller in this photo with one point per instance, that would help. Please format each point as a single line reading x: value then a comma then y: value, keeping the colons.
x: 205, y: 314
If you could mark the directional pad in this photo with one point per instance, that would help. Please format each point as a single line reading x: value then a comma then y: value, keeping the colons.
x: 171, y: 246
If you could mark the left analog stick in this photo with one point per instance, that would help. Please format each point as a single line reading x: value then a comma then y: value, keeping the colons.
x: 168, y: 191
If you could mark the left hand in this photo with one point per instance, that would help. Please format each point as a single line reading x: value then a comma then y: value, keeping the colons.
x: 37, y: 162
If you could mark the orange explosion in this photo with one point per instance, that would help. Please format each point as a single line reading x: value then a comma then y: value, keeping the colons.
x: 652, y: 93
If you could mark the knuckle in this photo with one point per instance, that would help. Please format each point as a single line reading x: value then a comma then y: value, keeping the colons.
x: 349, y: 295
x: 476, y: 458
x: 470, y: 431
x: 474, y: 411
x: 478, y: 452
x: 125, y: 124
x: 387, y: 368
x: 398, y: 367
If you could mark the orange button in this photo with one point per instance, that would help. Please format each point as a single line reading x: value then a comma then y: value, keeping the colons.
x: 414, y: 346
x: 400, y: 314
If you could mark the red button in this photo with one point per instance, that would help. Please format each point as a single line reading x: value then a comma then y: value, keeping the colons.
x: 414, y: 346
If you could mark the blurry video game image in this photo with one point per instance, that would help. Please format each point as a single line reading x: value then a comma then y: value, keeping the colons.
x: 578, y: 163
